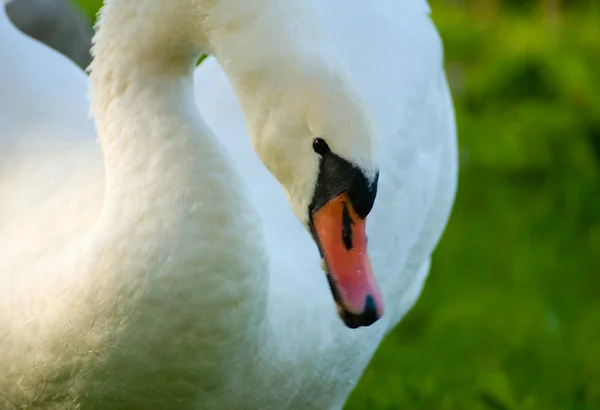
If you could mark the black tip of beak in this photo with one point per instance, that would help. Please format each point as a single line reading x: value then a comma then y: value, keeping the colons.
x: 368, y: 316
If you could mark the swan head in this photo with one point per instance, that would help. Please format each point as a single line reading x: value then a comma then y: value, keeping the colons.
x: 318, y: 139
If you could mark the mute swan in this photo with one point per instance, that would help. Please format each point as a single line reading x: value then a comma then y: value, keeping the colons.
x: 169, y: 300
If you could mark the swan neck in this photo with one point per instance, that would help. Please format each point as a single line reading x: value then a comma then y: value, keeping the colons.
x: 142, y: 98
x: 174, y: 204
x: 268, y: 45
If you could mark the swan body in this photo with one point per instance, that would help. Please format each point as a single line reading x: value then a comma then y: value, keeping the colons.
x: 173, y: 271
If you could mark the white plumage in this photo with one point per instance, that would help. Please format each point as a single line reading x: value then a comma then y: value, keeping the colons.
x: 191, y: 282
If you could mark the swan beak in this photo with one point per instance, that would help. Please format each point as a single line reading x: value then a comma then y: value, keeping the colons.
x: 341, y: 236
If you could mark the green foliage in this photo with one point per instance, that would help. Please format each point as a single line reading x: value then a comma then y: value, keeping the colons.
x: 510, y: 317
x: 90, y: 7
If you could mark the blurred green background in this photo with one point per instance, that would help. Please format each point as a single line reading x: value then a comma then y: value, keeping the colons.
x: 510, y: 316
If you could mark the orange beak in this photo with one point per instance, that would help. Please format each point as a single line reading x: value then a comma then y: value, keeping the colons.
x: 341, y: 236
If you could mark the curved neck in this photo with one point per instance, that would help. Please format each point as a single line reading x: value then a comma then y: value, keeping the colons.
x: 260, y: 40
x: 271, y: 50
x: 170, y: 188
x: 152, y: 136
x: 174, y: 205
x: 265, y: 46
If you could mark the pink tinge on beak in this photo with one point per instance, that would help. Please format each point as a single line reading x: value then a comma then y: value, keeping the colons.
x: 342, y: 238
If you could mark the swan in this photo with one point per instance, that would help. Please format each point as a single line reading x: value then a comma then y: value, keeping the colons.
x: 181, y: 274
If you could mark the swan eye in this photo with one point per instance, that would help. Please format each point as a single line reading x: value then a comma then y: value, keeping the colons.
x: 320, y: 146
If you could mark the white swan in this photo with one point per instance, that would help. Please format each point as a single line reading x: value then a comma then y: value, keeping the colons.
x: 155, y: 304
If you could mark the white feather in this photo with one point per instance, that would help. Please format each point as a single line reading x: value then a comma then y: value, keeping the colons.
x: 190, y: 281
